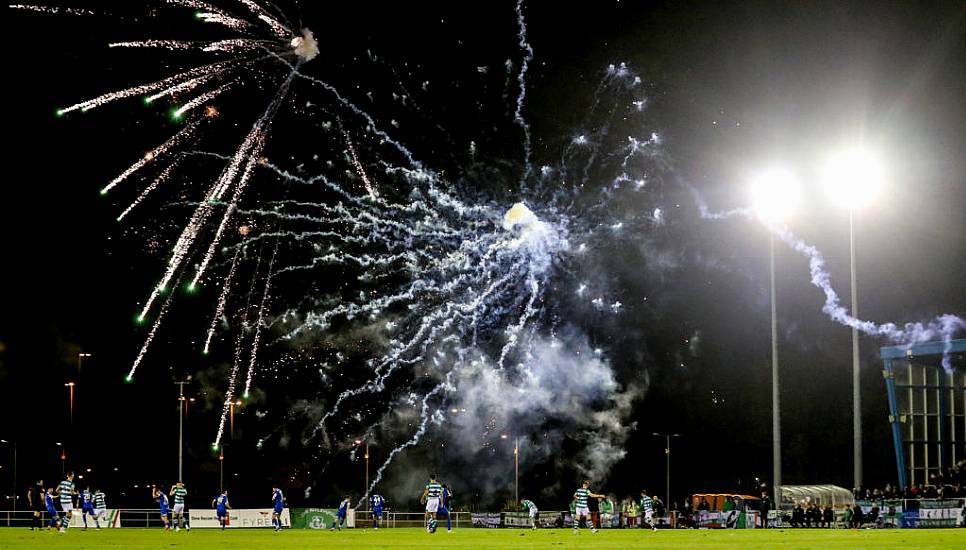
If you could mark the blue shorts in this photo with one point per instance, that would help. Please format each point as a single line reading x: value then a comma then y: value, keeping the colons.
x: 278, y: 509
x: 87, y: 510
x: 377, y: 512
x: 164, y: 511
x: 442, y: 511
x: 52, y: 513
x: 222, y: 513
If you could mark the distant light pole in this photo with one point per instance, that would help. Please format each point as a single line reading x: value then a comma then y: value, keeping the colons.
x: 70, y: 386
x: 775, y: 195
x: 365, y: 442
x: 516, y: 465
x: 14, y: 443
x: 667, y: 464
x: 231, y: 416
x: 182, y: 410
x: 853, y: 179
x: 63, y: 460
x: 80, y: 359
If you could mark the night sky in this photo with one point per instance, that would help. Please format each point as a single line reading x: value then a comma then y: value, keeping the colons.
x: 729, y: 87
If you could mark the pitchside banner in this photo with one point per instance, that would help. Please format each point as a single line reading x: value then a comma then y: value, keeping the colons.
x: 238, y: 518
x: 113, y: 519
x: 932, y: 513
x: 319, y: 518
x: 728, y: 520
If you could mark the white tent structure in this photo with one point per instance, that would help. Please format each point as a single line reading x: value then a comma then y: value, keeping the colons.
x: 837, y: 497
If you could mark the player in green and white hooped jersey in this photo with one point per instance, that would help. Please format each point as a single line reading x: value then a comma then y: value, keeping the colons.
x: 647, y: 511
x: 179, y: 493
x: 100, y: 505
x: 532, y: 508
x: 432, y: 495
x: 66, y: 494
x: 581, y: 512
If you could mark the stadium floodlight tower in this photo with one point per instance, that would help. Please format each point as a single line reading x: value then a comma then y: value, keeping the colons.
x: 775, y: 195
x: 853, y: 179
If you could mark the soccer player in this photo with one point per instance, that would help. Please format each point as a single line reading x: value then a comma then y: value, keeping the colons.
x: 66, y: 494
x: 158, y: 494
x: 444, y: 507
x: 431, y: 496
x: 35, y: 498
x: 340, y: 515
x: 279, y: 503
x: 51, y: 510
x: 221, y: 508
x: 647, y: 511
x: 376, y: 502
x: 581, y: 512
x: 532, y: 508
x: 100, y: 506
x: 179, y: 492
x: 87, y: 506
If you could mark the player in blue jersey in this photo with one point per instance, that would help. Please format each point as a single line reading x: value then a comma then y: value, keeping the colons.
x: 221, y: 508
x: 66, y: 492
x: 87, y: 506
x: 51, y: 509
x: 340, y: 515
x: 376, y: 504
x: 163, y: 508
x: 444, y: 507
x: 278, y: 502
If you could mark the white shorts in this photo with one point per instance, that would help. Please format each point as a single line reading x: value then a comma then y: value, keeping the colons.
x: 179, y: 508
x: 432, y: 505
x: 67, y: 506
x: 100, y: 512
x: 648, y: 516
x: 581, y: 511
x: 533, y: 513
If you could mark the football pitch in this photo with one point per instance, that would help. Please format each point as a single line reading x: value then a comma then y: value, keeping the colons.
x: 206, y: 539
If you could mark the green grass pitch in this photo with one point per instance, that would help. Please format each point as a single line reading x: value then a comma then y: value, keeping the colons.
x: 475, y: 539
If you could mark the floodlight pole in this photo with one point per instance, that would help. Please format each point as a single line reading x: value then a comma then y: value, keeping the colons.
x: 776, y: 428
x: 856, y: 392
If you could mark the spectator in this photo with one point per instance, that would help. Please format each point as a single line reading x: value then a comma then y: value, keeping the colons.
x: 704, y: 506
x: 828, y: 516
x: 764, y: 508
x: 857, y: 519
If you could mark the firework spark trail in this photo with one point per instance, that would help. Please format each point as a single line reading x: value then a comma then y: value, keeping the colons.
x: 162, y: 177
x: 250, y: 149
x: 425, y: 417
x: 222, y: 299
x: 513, y: 332
x: 373, y: 127
x: 198, y: 74
x: 152, y: 155
x: 200, y: 100
x: 278, y: 28
x: 358, y: 166
x: 521, y: 78
x: 150, y: 336
x: 236, y: 364
x: 52, y: 10
x: 943, y: 327
x: 442, y: 318
x: 260, y: 323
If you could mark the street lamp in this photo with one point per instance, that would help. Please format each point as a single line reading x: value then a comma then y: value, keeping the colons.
x: 365, y: 442
x: 80, y: 359
x: 231, y: 416
x: 853, y: 179
x: 516, y: 465
x: 182, y: 410
x: 667, y: 462
x: 775, y: 195
x: 14, y: 443
x: 71, y: 385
